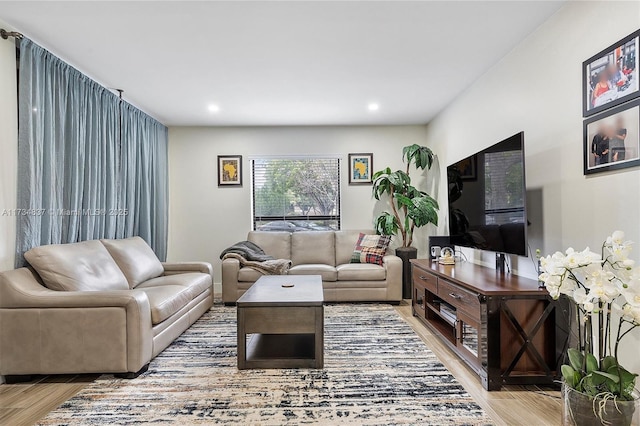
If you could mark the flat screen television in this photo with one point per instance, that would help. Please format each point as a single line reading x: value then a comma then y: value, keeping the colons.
x: 487, y: 199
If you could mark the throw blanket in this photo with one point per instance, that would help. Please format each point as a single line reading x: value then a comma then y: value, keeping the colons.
x: 252, y: 256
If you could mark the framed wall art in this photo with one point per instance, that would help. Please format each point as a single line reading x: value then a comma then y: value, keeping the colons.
x: 229, y: 170
x: 360, y: 169
x: 610, y: 77
x: 612, y: 139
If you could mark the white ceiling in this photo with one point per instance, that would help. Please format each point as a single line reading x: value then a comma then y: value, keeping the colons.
x: 282, y: 63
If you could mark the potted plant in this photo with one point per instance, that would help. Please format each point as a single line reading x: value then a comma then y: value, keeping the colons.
x: 605, y: 289
x: 410, y: 207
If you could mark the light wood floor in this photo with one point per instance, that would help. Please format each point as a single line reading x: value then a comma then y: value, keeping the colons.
x: 513, y: 405
x: 26, y: 403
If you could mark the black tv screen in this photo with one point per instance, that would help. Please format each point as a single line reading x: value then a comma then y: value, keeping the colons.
x: 487, y: 199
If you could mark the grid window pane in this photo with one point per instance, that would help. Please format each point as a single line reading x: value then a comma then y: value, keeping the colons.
x: 296, y: 194
x: 504, y: 193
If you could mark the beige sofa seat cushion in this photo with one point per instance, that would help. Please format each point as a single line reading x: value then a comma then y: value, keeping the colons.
x: 84, y: 266
x: 346, y: 242
x: 366, y: 287
x: 196, y: 282
x: 327, y: 272
x: 313, y: 247
x: 276, y: 244
x: 166, y: 300
x: 361, y: 272
x: 135, y: 258
x: 167, y: 295
x: 247, y: 274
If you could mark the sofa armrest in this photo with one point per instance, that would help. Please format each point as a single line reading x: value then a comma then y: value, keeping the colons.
x: 230, y: 270
x: 171, y: 268
x: 60, y: 332
x: 393, y: 265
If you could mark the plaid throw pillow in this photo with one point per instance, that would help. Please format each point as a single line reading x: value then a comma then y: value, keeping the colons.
x: 370, y: 249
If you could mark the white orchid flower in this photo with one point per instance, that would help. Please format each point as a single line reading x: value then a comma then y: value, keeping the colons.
x: 632, y: 295
x: 617, y: 237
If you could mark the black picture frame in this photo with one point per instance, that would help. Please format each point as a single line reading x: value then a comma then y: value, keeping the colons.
x: 362, y: 172
x: 623, y: 53
x: 229, y: 170
x: 613, y: 133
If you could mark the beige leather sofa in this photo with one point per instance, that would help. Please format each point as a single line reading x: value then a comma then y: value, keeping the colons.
x: 325, y: 253
x: 105, y: 306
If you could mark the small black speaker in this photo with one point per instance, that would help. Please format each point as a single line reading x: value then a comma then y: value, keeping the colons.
x: 441, y: 241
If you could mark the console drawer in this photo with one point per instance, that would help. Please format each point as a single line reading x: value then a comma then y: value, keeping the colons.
x: 425, y: 279
x: 460, y: 298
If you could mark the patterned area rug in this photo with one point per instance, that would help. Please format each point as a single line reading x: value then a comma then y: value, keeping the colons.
x: 376, y: 371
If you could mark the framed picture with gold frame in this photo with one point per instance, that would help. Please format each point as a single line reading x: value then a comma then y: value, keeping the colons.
x: 361, y: 169
x: 229, y: 170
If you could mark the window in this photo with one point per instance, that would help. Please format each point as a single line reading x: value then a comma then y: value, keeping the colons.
x: 296, y: 194
x: 504, y: 192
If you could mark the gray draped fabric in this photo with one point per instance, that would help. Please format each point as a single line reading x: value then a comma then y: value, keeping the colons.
x: 77, y: 178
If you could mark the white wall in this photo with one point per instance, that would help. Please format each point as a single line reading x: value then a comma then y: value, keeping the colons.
x: 205, y: 219
x: 537, y: 88
x: 9, y: 150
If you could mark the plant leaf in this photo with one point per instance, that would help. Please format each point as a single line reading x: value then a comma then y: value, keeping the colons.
x: 568, y: 373
x: 592, y: 363
x: 614, y: 378
x: 386, y: 224
x: 575, y: 358
x: 608, y: 362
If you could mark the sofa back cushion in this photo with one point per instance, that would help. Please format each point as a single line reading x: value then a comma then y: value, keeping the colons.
x: 313, y: 247
x: 345, y: 243
x: 135, y: 259
x: 84, y: 266
x: 276, y: 244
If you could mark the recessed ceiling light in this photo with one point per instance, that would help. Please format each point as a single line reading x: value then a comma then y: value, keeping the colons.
x: 373, y: 107
x: 213, y: 108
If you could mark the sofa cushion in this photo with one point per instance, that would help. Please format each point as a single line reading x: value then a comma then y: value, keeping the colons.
x: 276, y: 244
x: 345, y: 242
x: 327, y: 272
x: 197, y: 282
x: 168, y: 294
x: 247, y: 274
x: 166, y: 300
x: 371, y: 249
x: 361, y: 272
x: 135, y: 258
x: 84, y: 266
x: 313, y: 247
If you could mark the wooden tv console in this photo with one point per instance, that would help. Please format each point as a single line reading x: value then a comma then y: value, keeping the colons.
x: 502, y: 326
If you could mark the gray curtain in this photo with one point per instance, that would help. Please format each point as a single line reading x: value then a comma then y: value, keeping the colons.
x: 81, y: 174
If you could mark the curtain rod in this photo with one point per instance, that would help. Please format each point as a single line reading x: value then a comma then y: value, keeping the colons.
x: 6, y: 34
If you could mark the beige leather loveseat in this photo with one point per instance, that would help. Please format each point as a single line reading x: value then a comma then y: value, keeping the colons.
x: 325, y: 253
x: 105, y: 306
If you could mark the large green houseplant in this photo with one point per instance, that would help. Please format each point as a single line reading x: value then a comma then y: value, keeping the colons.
x: 605, y: 290
x: 411, y: 208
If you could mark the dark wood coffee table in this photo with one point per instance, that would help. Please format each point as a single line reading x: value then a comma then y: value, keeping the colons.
x: 286, y: 324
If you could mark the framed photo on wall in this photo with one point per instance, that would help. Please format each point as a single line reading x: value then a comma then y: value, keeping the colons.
x: 612, y: 139
x: 360, y: 169
x: 229, y: 170
x: 610, y: 77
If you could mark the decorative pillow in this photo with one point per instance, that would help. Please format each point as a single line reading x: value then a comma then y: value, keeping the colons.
x: 135, y: 258
x: 85, y: 266
x: 371, y: 249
